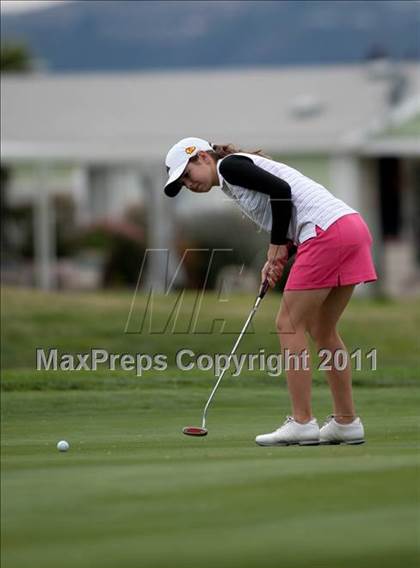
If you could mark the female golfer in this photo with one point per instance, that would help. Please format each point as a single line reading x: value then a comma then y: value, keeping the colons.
x: 333, y: 255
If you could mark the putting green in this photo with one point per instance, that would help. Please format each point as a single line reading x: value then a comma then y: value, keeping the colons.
x: 133, y: 491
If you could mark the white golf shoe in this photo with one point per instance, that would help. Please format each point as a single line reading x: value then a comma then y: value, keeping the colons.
x: 292, y: 433
x: 334, y: 433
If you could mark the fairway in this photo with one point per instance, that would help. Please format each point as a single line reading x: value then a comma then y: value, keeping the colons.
x: 133, y: 491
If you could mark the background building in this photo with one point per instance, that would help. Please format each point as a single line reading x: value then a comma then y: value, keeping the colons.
x: 100, y: 141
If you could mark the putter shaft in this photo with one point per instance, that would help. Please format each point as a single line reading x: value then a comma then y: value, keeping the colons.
x: 261, y: 295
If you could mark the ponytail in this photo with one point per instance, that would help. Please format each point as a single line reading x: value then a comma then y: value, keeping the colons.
x: 222, y: 150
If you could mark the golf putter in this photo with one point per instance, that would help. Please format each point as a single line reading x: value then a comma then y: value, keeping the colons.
x: 202, y: 431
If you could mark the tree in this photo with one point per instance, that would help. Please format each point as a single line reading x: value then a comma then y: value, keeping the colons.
x: 15, y: 58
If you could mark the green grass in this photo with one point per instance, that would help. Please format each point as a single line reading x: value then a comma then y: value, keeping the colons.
x: 133, y: 491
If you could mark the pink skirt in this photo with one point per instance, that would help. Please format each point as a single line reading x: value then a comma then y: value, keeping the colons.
x: 339, y: 256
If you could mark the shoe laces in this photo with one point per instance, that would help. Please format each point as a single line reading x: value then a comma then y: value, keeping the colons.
x: 328, y: 419
x: 288, y: 419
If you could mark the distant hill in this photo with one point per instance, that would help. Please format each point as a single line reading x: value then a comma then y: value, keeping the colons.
x: 129, y: 35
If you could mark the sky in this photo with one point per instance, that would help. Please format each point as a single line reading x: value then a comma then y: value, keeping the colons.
x: 16, y: 6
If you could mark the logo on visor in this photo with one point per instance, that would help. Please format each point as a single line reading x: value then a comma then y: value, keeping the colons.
x: 190, y: 150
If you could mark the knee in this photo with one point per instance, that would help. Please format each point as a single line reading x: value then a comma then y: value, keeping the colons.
x: 285, y: 325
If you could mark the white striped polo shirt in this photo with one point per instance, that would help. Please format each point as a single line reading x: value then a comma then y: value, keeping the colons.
x: 312, y: 203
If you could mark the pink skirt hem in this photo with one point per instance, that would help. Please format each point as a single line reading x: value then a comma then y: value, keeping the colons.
x: 339, y: 256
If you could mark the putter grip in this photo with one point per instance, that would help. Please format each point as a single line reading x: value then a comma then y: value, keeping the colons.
x: 264, y: 288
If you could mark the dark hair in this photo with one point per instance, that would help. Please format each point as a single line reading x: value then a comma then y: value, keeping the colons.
x: 222, y: 150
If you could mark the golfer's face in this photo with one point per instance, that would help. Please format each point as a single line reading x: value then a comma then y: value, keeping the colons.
x: 198, y: 175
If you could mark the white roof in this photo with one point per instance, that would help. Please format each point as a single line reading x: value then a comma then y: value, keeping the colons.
x: 138, y: 116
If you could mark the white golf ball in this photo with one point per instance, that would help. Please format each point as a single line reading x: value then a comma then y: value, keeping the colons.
x: 63, y: 446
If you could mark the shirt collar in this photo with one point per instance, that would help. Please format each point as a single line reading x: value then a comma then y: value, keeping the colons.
x: 221, y: 180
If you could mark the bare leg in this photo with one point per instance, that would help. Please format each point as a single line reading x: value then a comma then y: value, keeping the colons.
x: 326, y: 336
x: 296, y: 312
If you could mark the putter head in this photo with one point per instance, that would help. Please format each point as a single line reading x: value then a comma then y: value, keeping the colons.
x: 194, y: 431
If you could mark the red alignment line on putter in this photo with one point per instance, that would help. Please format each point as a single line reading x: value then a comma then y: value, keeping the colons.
x: 194, y: 431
